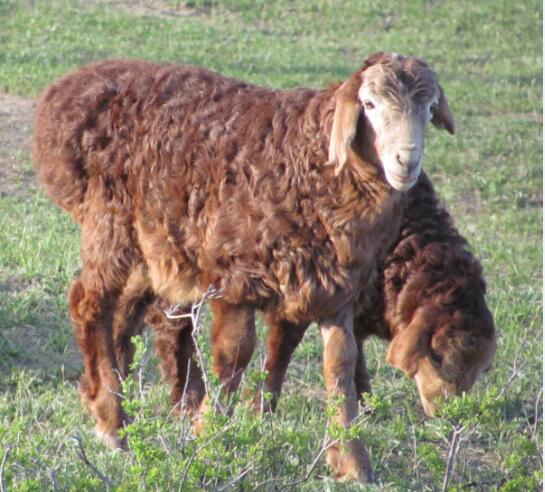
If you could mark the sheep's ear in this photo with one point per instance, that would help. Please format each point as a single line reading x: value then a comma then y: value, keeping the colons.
x: 442, y: 115
x: 343, y: 130
x: 410, y: 345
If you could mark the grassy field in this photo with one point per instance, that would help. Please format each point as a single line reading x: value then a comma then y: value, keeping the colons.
x: 488, y: 58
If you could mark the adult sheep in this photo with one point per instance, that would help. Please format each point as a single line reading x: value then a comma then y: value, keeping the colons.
x: 427, y: 300
x: 181, y: 178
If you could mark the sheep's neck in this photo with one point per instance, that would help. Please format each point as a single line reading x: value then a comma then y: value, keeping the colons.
x: 359, y: 202
x: 360, y: 212
x: 360, y: 189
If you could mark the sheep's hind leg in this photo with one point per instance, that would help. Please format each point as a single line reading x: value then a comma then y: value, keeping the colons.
x: 108, y: 255
x: 348, y: 460
x: 92, y: 311
x: 282, y: 340
x: 128, y: 318
x: 175, y: 347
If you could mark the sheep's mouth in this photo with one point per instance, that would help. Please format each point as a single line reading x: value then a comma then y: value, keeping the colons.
x: 401, y: 182
x: 410, y: 178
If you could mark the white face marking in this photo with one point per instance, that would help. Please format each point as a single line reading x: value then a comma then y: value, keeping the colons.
x: 399, y: 136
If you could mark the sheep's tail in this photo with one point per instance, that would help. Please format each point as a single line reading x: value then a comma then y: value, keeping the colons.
x: 57, y: 155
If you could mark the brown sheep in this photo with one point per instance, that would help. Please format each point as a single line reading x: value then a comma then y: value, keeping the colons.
x: 181, y: 178
x: 428, y: 300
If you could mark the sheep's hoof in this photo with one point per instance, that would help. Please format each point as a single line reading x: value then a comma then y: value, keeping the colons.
x: 198, y: 425
x: 351, y: 463
x: 198, y: 416
x: 263, y: 405
x: 190, y: 412
x: 110, y: 439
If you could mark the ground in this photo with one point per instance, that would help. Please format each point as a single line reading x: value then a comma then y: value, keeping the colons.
x: 488, y: 58
x: 15, y: 127
x: 17, y: 179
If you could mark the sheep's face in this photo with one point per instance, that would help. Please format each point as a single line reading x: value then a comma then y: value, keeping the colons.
x: 384, y: 110
x: 444, y: 356
x: 456, y: 359
x: 396, y: 114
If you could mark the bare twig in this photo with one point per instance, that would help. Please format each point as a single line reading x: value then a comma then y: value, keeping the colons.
x: 236, y: 479
x: 517, y: 367
x: 536, y: 414
x: 164, y: 444
x: 485, y: 485
x: 52, y: 472
x: 185, y: 432
x: 185, y: 396
x: 261, y: 389
x: 181, y: 403
x: 53, y: 477
x: 452, y: 455
x: 415, y: 452
x: 83, y: 457
x: 456, y: 437
x: 194, y: 315
x: 326, y: 443
x: 196, y: 309
x: 211, y: 293
x: 4, y: 460
x: 197, y: 451
x: 116, y: 393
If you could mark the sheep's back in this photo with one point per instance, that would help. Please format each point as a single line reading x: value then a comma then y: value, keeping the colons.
x: 233, y: 184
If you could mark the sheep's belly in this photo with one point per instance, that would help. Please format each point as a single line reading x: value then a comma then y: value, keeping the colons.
x: 169, y: 282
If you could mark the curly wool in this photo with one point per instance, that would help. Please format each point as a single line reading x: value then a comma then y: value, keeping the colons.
x: 430, y: 264
x: 210, y: 180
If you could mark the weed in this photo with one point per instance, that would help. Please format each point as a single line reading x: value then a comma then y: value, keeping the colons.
x: 488, y: 59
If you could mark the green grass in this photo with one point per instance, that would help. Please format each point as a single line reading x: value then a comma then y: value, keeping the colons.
x: 488, y: 58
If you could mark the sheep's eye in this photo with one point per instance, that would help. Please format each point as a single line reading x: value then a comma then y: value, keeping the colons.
x: 433, y: 105
x: 435, y: 359
x: 368, y: 105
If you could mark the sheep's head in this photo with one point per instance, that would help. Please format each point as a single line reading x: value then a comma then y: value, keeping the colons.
x: 381, y: 113
x: 448, y: 340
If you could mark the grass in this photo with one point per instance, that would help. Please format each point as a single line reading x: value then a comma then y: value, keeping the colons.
x: 488, y: 58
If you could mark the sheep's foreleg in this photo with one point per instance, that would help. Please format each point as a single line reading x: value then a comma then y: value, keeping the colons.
x: 233, y: 343
x: 348, y: 459
x: 362, y: 378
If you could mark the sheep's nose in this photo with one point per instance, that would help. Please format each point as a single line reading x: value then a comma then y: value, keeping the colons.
x: 409, y: 159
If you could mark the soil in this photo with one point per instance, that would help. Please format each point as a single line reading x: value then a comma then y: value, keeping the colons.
x: 16, y: 173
